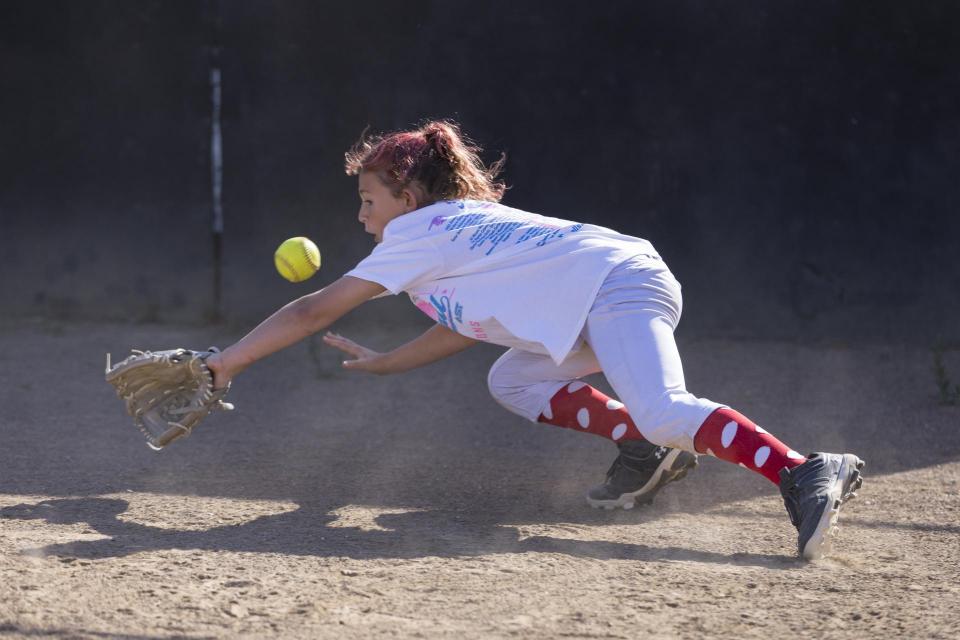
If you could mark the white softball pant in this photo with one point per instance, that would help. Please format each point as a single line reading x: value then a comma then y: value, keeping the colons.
x: 629, y: 337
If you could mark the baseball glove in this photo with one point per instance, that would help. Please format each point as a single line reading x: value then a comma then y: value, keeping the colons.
x: 168, y: 393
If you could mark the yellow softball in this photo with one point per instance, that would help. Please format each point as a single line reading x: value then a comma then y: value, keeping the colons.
x: 297, y: 259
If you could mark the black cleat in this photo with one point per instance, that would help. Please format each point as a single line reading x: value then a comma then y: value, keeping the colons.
x: 813, y: 494
x: 638, y: 473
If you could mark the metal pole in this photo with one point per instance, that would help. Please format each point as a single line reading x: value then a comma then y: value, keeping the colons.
x: 216, y: 168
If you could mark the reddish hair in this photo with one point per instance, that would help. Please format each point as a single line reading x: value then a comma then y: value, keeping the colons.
x: 435, y: 158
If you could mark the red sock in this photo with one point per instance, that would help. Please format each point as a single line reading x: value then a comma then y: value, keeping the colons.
x: 579, y: 406
x: 733, y: 437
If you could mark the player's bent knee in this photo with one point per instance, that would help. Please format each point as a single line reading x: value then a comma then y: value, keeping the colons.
x: 504, y: 394
x: 510, y: 398
x: 522, y: 397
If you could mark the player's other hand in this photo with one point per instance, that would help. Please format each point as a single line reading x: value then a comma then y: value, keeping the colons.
x: 364, y: 359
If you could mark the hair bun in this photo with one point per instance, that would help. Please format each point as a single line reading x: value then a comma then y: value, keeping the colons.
x: 439, y: 135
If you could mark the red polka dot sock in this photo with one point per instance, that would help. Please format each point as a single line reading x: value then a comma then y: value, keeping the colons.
x: 733, y: 437
x: 579, y: 406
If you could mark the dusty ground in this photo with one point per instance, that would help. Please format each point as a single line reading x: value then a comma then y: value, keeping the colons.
x: 333, y: 505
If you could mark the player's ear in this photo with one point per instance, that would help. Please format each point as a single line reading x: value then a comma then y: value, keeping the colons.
x: 411, y: 200
x: 411, y: 196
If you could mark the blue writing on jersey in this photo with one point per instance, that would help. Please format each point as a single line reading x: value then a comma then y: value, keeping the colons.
x: 445, y: 315
x: 459, y: 223
x: 493, y: 230
x: 546, y: 234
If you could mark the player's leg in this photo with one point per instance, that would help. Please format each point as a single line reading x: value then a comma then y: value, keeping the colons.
x: 630, y: 329
x: 532, y: 386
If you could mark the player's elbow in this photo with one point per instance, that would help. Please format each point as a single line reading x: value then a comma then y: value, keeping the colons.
x: 311, y: 313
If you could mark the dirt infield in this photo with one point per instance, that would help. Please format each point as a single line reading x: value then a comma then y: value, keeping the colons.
x: 337, y: 505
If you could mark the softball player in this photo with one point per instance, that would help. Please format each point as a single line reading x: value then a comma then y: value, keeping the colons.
x: 568, y: 299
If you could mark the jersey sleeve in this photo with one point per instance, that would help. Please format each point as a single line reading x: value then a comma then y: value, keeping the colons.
x: 397, y: 267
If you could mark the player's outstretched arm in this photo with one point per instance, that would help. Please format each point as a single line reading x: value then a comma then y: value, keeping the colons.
x: 292, y: 323
x: 436, y: 343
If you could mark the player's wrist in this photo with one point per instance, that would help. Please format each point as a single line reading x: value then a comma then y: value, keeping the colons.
x: 220, y: 365
x: 389, y: 362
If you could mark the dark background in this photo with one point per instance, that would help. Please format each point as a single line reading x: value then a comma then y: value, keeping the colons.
x: 795, y: 162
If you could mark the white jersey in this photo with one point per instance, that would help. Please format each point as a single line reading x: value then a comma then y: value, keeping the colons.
x: 498, y: 274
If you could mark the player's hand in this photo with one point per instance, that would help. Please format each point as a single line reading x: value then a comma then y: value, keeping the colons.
x: 221, y: 378
x: 364, y: 359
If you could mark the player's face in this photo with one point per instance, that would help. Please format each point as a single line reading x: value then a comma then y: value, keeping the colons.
x: 378, y: 205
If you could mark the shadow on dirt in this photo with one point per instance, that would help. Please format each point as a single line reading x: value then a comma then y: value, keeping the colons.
x: 20, y: 632
x: 853, y: 520
x: 305, y: 532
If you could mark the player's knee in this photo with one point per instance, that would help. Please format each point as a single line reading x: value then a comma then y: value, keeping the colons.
x: 502, y: 389
x: 513, y: 393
